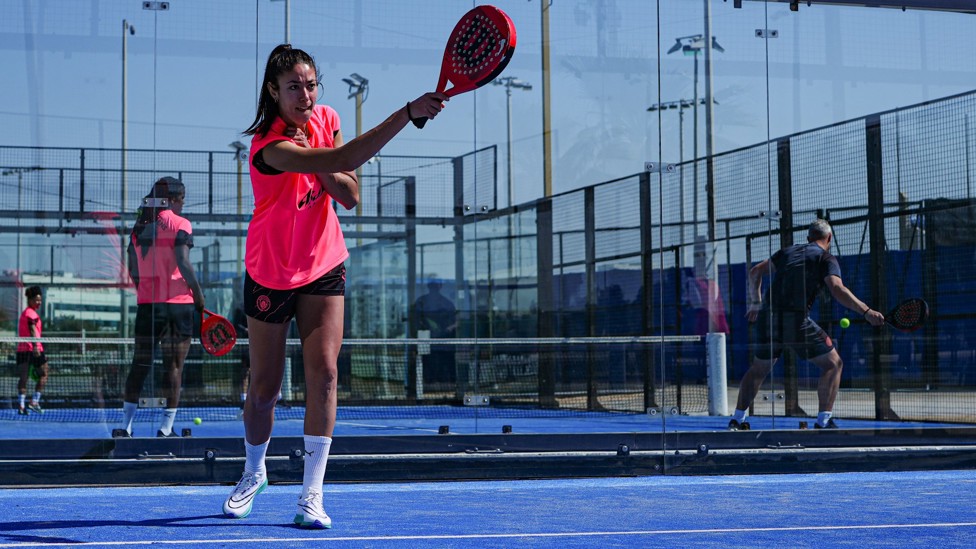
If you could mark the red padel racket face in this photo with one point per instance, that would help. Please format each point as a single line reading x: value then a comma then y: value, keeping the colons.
x: 909, y: 315
x: 479, y: 48
x: 217, y: 334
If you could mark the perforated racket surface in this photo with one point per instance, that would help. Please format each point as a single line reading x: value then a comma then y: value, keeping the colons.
x: 217, y: 334
x: 909, y: 315
x: 479, y: 48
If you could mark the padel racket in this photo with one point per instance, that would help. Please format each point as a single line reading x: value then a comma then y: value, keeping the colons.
x: 217, y: 334
x: 477, y: 51
x: 909, y: 315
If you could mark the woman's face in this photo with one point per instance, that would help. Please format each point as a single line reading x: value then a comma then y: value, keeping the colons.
x: 296, y: 94
x: 176, y: 203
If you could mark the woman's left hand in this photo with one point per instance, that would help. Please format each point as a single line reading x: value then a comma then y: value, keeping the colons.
x: 298, y: 135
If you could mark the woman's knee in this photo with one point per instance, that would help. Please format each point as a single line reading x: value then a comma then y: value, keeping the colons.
x: 263, y: 395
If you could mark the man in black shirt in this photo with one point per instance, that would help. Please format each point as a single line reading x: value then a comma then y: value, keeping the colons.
x: 799, y: 273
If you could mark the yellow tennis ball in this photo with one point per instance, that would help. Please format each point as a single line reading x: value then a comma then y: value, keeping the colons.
x: 844, y: 323
x: 197, y: 421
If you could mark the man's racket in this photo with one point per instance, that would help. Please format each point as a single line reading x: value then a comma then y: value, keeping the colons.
x: 217, y: 334
x: 909, y: 315
x: 477, y: 51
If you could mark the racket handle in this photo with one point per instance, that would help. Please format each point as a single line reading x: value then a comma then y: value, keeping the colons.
x: 419, y: 122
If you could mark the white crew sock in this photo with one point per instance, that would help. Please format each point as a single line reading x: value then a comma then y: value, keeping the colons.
x: 128, y: 414
x: 823, y: 418
x: 169, y: 416
x: 255, y: 454
x: 316, y: 458
x: 740, y: 415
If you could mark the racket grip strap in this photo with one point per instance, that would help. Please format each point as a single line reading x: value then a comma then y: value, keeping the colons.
x: 419, y: 122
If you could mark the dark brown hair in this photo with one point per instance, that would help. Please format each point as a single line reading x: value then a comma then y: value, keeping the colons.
x: 144, y: 231
x: 282, y: 59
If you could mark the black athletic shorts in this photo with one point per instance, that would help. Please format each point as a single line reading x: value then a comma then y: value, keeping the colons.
x: 790, y: 329
x: 278, y: 306
x: 28, y: 358
x: 155, y: 319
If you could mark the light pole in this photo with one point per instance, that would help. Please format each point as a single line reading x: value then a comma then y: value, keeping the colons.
x: 287, y: 20
x: 692, y: 45
x: 358, y: 89
x: 511, y: 82
x: 240, y: 154
x: 681, y: 105
x: 127, y: 29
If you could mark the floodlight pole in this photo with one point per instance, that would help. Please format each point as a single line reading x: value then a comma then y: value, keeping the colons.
x: 692, y: 45
x: 358, y: 89
x: 712, y: 268
x: 287, y: 20
x: 511, y: 82
x: 709, y: 136
x: 127, y: 29
x: 680, y: 105
x: 240, y: 154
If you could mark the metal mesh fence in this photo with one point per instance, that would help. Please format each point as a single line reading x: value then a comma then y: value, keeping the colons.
x: 639, y: 256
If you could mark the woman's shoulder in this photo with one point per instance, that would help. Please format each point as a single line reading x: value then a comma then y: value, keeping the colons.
x: 326, y: 115
x: 275, y: 133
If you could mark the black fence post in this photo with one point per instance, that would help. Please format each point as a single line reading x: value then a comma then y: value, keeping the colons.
x: 410, y: 225
x: 879, y: 284
x: 647, y: 284
x: 544, y: 297
x: 791, y: 389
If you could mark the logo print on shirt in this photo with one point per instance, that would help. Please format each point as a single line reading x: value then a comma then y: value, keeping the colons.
x: 311, y: 196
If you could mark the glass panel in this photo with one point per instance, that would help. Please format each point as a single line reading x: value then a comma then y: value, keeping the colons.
x: 557, y: 245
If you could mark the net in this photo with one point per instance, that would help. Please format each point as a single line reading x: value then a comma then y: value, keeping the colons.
x: 393, y: 378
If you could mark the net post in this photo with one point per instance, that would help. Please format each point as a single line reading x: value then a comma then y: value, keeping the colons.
x: 286, y: 389
x: 718, y: 404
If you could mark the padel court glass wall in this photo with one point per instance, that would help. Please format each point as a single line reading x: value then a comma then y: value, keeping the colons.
x: 561, y: 242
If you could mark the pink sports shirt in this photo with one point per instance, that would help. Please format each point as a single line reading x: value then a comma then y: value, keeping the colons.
x: 294, y: 237
x: 160, y: 279
x: 28, y: 318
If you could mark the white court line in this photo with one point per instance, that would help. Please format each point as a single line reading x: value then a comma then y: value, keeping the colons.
x: 383, y: 426
x: 431, y: 537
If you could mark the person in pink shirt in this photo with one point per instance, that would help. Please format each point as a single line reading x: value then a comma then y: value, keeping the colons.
x: 31, y: 361
x: 294, y: 259
x: 168, y: 296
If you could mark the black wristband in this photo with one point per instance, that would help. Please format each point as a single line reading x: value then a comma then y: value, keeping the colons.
x: 865, y: 313
x: 410, y: 116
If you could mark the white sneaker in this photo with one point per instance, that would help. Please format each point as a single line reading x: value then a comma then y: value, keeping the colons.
x: 310, y: 513
x: 238, y: 505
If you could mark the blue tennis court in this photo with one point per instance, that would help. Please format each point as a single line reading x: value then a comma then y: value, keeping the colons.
x: 379, y: 420
x: 827, y: 510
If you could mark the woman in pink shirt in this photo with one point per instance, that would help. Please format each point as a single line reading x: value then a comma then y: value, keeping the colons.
x: 294, y: 258
x: 169, y: 296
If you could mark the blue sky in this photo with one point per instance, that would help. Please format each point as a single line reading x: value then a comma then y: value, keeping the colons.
x: 192, y: 74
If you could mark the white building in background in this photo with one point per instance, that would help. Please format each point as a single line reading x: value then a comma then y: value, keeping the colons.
x: 66, y: 296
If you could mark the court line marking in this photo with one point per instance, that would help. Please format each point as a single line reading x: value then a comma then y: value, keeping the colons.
x: 384, y: 426
x: 420, y: 537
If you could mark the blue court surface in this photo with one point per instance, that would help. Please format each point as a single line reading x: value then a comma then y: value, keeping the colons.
x: 916, y: 509
x: 419, y: 420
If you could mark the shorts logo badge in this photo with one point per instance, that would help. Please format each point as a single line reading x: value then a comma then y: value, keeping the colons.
x: 263, y: 303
